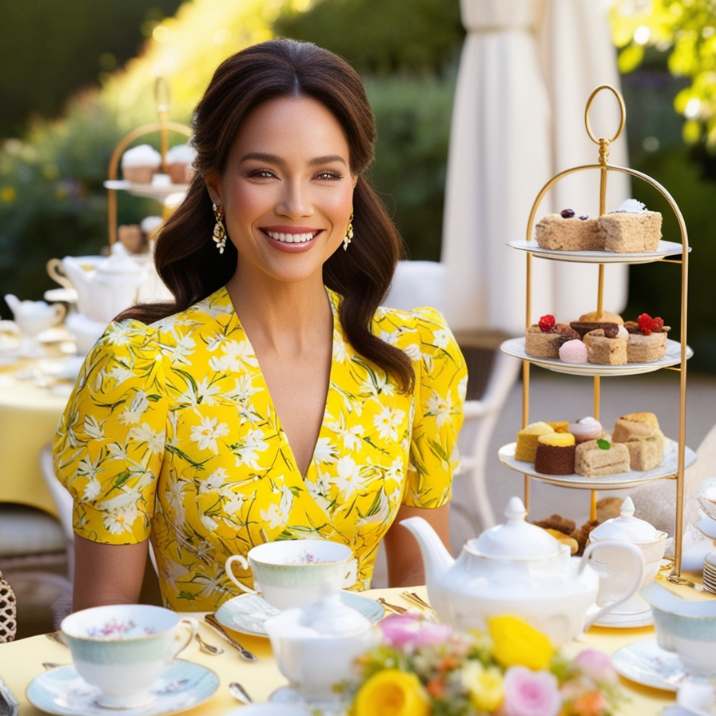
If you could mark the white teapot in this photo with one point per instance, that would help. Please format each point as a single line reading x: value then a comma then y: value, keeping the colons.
x: 33, y: 317
x: 518, y: 568
x: 109, y: 289
x: 316, y: 646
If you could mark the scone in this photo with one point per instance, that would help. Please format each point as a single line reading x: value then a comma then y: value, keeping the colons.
x: 555, y: 454
x: 630, y: 232
x: 544, y: 338
x: 604, y: 349
x: 643, y: 438
x: 526, y: 447
x: 567, y: 232
x: 597, y: 458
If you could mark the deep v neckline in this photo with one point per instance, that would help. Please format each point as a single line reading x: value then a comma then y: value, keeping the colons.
x: 335, y: 335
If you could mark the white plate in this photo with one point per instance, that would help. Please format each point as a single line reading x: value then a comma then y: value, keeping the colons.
x: 64, y: 295
x: 270, y: 710
x: 707, y: 527
x: 62, y: 691
x: 151, y: 191
x: 698, y: 697
x: 618, y: 481
x: 646, y: 663
x: 248, y: 612
x: 614, y: 620
x: 666, y: 248
x: 516, y: 347
x: 675, y: 711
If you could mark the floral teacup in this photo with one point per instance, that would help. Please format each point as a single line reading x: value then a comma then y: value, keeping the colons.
x: 122, y: 649
x: 294, y: 573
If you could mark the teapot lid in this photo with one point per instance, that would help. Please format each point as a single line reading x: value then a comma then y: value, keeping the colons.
x: 626, y: 527
x: 516, y: 538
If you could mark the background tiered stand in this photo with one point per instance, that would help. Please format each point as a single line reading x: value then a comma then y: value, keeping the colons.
x: 680, y: 257
x: 152, y: 191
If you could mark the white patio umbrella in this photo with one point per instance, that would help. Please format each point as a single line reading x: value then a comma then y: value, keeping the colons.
x: 526, y: 71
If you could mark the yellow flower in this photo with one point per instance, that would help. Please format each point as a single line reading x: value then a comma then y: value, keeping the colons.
x: 484, y: 686
x: 392, y: 693
x: 516, y: 643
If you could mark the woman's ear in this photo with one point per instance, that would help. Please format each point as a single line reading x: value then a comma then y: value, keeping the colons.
x: 213, y: 186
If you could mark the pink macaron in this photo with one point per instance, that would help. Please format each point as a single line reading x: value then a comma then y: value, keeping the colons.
x: 573, y: 352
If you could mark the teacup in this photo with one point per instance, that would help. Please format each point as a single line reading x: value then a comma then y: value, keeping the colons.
x: 122, y: 649
x: 685, y: 627
x: 707, y: 498
x: 294, y: 573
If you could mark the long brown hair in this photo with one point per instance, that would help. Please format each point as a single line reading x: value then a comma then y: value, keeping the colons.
x: 185, y: 255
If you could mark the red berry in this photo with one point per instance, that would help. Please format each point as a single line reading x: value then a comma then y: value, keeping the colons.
x: 645, y: 323
x: 547, y: 323
x: 657, y: 324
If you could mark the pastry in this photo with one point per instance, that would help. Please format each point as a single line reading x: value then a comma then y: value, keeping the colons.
x: 544, y: 338
x: 605, y: 350
x: 564, y: 539
x: 526, y: 446
x: 609, y: 322
x: 631, y: 228
x: 559, y: 426
x: 586, y: 429
x: 567, y: 232
x: 574, y: 351
x: 641, y: 434
x: 647, y: 339
x: 179, y: 163
x: 130, y: 235
x: 608, y: 507
x: 557, y: 522
x: 140, y: 164
x: 596, y: 458
x: 555, y: 454
x: 582, y: 534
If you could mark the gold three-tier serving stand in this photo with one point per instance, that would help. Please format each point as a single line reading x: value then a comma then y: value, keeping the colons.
x: 678, y: 254
x: 159, y: 192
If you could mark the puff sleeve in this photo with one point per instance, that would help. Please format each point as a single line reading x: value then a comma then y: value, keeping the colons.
x: 441, y: 380
x: 110, y: 440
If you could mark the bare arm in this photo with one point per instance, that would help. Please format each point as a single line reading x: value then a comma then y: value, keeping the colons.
x: 107, y: 573
x: 405, y: 564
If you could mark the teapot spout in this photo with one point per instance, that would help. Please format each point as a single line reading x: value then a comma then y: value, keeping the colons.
x: 13, y: 302
x: 436, y: 558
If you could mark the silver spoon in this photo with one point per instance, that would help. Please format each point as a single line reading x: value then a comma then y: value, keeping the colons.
x: 208, y: 648
x: 240, y: 693
x: 48, y: 665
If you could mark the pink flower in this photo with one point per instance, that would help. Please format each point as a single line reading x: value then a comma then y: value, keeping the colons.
x: 411, y: 631
x: 530, y: 693
x: 596, y: 665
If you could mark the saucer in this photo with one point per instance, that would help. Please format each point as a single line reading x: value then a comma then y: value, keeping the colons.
x: 62, y: 691
x: 648, y: 664
x: 697, y: 697
x: 270, y: 710
x: 248, y: 612
x: 615, y: 620
x: 287, y: 696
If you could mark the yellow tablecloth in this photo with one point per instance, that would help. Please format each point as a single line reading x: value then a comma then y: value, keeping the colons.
x: 20, y: 661
x: 28, y: 418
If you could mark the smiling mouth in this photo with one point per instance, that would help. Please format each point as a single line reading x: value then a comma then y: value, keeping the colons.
x: 291, y: 238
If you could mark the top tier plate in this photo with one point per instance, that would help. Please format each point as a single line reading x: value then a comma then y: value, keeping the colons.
x: 666, y: 249
x: 516, y: 347
x: 150, y: 191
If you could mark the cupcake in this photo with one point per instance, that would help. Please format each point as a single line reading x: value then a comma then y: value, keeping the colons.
x: 526, y: 446
x: 586, y: 429
x: 140, y: 164
x: 179, y: 163
x: 555, y: 454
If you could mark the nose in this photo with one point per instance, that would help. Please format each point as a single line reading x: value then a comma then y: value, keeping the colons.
x: 295, y: 201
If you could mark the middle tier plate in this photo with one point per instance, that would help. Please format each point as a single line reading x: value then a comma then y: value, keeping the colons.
x: 620, y: 481
x: 516, y: 347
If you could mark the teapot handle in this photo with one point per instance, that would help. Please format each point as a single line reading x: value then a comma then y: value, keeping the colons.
x: 57, y: 274
x: 635, y: 556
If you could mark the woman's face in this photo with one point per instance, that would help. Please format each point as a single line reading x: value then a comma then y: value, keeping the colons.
x: 287, y: 190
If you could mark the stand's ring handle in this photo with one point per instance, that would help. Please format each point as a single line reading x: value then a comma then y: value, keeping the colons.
x: 162, y: 95
x: 622, y: 112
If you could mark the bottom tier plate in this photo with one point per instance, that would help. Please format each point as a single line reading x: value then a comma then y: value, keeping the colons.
x: 620, y: 481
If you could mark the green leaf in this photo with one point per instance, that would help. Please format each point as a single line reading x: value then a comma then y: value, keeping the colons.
x: 603, y: 444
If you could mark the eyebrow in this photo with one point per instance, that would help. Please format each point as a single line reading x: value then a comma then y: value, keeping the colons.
x: 273, y: 159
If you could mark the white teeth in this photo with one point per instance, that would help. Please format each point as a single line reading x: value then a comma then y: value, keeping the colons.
x: 291, y: 238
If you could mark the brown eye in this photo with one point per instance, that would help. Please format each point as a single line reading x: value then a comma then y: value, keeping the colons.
x: 330, y: 176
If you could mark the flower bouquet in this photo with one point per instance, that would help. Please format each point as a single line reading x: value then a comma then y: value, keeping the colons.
x: 422, y: 668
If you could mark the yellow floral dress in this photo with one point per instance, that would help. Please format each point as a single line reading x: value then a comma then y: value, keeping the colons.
x: 170, y: 433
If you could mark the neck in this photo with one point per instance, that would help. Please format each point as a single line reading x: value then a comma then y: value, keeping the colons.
x: 282, y: 317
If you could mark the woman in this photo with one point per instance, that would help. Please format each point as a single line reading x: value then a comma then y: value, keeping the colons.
x: 274, y: 399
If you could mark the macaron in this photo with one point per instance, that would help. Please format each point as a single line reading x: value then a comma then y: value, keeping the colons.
x: 574, y: 351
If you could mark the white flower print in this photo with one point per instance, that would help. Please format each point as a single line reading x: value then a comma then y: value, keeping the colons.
x: 381, y: 514
x: 462, y: 389
x: 236, y: 354
x: 119, y: 374
x: 120, y: 521
x: 205, y: 392
x: 209, y: 523
x: 88, y: 467
x: 118, y: 334
x: 387, y: 423
x: 153, y: 439
x: 212, y: 583
x: 440, y: 407
x: 351, y: 437
x: 441, y: 337
x: 348, y: 478
x: 92, y: 489
x: 214, y: 482
x: 246, y: 450
x: 389, y: 337
x: 243, y: 389
x: 324, y: 451
x: 174, y: 572
x: 340, y: 354
x: 117, y: 451
x: 274, y: 516
x: 395, y: 471
x: 233, y: 504
x: 377, y: 384
x: 136, y: 409
x: 175, y: 497
x: 208, y: 432
x: 183, y: 350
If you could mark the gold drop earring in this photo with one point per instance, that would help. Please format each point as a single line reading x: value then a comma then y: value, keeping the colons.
x: 349, y: 234
x: 218, y: 235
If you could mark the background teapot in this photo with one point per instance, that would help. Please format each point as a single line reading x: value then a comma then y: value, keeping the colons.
x: 33, y: 317
x: 518, y: 568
